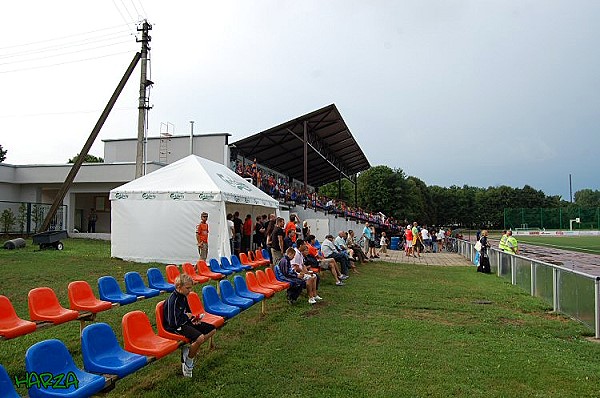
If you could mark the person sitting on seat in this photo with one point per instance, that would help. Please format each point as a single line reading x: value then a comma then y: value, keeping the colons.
x: 314, y: 259
x: 331, y: 251
x: 178, y: 318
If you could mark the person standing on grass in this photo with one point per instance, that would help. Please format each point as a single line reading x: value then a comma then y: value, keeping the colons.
x: 92, y: 218
x: 277, y: 237
x: 202, y: 236
x: 178, y: 318
x: 409, y: 241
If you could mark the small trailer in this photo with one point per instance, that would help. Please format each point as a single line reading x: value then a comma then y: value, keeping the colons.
x: 50, y: 239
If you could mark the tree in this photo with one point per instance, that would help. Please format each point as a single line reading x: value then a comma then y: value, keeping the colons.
x: 88, y: 159
x: 2, y: 154
x: 7, y: 219
x: 587, y: 198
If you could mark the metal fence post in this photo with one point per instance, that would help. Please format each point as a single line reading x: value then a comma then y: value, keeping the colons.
x: 555, y: 290
x: 533, y: 281
x: 596, y: 308
x: 499, y: 263
x: 513, y: 270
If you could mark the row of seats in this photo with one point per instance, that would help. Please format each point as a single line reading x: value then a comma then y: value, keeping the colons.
x: 44, y: 306
x: 102, y: 354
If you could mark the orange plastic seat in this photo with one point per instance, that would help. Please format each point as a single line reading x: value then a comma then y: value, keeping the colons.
x: 172, y: 272
x: 139, y: 337
x: 81, y: 298
x: 198, y: 308
x: 10, y: 324
x: 273, y: 280
x: 258, y: 256
x: 160, y: 327
x: 188, y: 268
x: 203, y: 270
x: 255, y: 287
x: 264, y: 281
x: 44, y: 306
x: 245, y: 261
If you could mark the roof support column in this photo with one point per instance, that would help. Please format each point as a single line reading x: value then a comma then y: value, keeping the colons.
x: 356, y: 190
x: 305, y: 156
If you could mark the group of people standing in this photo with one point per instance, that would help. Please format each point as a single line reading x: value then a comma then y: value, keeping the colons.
x: 417, y: 239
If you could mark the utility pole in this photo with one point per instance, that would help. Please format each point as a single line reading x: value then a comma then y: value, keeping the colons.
x: 143, y: 105
x: 191, y: 137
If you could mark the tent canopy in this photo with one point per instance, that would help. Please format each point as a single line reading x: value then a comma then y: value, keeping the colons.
x: 154, y: 217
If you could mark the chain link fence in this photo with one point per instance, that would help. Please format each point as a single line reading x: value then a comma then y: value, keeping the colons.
x: 552, y: 218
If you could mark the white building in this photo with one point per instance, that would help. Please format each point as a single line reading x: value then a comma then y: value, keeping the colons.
x: 39, y: 183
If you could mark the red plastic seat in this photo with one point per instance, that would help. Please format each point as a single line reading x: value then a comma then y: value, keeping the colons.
x: 258, y: 256
x: 198, y: 308
x: 10, y: 324
x: 205, y: 271
x: 255, y: 287
x: 188, y: 268
x: 245, y: 261
x: 172, y: 272
x: 44, y: 306
x: 264, y: 281
x: 273, y: 280
x: 160, y: 327
x: 139, y: 338
x: 81, y: 298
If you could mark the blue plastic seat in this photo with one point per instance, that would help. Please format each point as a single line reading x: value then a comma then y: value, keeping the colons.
x: 52, y: 356
x: 103, y: 354
x: 157, y: 281
x: 228, y: 296
x: 216, y: 267
x: 7, y: 390
x: 235, y: 261
x: 266, y: 254
x: 241, y: 290
x: 228, y: 265
x: 214, y: 305
x: 134, y: 284
x: 109, y: 290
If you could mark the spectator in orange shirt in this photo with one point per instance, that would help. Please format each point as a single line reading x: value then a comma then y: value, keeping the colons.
x: 202, y: 236
x: 291, y: 225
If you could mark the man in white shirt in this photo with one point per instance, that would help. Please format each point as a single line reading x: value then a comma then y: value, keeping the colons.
x: 331, y: 251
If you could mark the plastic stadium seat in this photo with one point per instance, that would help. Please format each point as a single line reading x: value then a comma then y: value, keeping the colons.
x: 139, y: 337
x: 160, y: 326
x: 235, y: 261
x: 266, y: 255
x: 44, y: 306
x: 172, y: 272
x: 188, y: 268
x: 253, y: 286
x: 109, y: 290
x: 273, y: 280
x: 81, y: 298
x: 7, y: 390
x: 52, y: 356
x: 216, y: 267
x: 264, y: 281
x: 197, y: 309
x: 228, y: 265
x: 258, y: 256
x: 157, y: 281
x: 10, y: 324
x: 244, y: 259
x: 103, y: 354
x: 261, y: 262
x: 228, y: 296
x: 134, y: 284
x: 214, y: 305
x: 204, y: 270
x: 241, y: 289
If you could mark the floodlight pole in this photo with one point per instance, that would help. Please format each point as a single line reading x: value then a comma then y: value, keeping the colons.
x: 88, y: 144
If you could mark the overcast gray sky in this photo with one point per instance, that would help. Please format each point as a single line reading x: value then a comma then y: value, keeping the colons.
x: 482, y: 93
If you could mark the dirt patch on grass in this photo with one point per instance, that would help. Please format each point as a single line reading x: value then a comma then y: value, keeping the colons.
x: 511, y: 321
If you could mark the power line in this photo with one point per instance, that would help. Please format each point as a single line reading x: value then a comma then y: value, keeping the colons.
x: 64, y: 113
x: 64, y: 63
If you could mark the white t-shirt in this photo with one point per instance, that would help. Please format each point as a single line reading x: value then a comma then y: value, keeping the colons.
x: 424, y: 234
x: 230, y: 228
x: 440, y: 234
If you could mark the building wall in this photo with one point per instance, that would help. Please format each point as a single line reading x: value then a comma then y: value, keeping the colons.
x: 209, y: 146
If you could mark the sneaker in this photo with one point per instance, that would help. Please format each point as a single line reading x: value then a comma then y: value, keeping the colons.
x: 318, y: 298
x: 344, y: 277
x: 312, y: 300
x: 339, y: 283
x: 187, y: 371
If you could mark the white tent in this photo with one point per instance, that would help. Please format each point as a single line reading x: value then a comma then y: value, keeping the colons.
x: 154, y: 217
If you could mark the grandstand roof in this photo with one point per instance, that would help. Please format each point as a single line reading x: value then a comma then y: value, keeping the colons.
x: 331, y: 148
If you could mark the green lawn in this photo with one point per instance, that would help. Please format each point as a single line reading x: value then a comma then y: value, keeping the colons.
x: 393, y: 331
x: 585, y: 244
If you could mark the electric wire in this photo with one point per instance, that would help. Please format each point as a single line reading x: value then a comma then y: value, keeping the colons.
x: 64, y: 63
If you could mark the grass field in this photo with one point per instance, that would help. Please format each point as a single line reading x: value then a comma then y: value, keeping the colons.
x: 394, y: 331
x: 585, y: 244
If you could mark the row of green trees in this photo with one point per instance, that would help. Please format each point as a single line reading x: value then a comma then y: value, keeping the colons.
x: 407, y: 199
